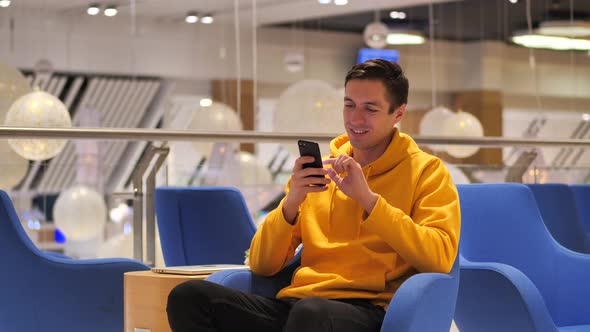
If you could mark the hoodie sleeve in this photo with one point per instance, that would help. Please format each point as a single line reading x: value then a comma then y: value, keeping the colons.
x: 428, y: 239
x: 274, y: 243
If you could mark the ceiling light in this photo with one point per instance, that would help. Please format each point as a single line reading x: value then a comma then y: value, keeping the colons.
x: 111, y: 11
x: 191, y: 17
x: 397, y: 15
x: 325, y: 2
x: 207, y: 19
x: 586, y: 117
x: 341, y: 2
x: 206, y: 102
x: 405, y: 37
x: 513, y: 1
x: 565, y: 28
x: 4, y: 3
x: 551, y: 42
x: 93, y: 10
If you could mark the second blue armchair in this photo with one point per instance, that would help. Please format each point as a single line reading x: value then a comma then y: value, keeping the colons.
x: 514, y: 275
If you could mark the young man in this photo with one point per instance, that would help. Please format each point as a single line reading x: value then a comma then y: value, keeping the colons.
x: 386, y: 211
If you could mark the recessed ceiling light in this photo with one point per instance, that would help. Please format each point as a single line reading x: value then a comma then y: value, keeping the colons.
x: 551, y: 42
x: 341, y: 2
x: 93, y: 10
x: 207, y: 19
x: 206, y: 102
x: 191, y: 17
x: 405, y: 37
x: 325, y: 2
x: 397, y: 15
x: 586, y: 117
x: 110, y: 11
x: 565, y: 28
x: 513, y: 1
x: 4, y: 3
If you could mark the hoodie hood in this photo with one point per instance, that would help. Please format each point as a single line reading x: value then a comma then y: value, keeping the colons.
x: 400, y: 147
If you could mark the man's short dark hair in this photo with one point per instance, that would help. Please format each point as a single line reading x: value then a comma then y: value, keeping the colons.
x: 390, y: 73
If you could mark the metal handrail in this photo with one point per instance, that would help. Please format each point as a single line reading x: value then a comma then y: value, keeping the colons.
x: 247, y: 136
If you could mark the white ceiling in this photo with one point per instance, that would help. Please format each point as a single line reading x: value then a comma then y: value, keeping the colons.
x: 268, y: 11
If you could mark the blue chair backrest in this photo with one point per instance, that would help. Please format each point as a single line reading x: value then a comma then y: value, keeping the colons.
x: 558, y: 208
x: 501, y: 223
x: 582, y: 196
x: 203, y: 225
x: 20, y: 274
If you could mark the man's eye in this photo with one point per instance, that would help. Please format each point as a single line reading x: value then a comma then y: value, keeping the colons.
x: 348, y: 105
x: 371, y: 110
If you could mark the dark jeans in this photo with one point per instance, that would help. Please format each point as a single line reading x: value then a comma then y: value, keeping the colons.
x: 199, y: 305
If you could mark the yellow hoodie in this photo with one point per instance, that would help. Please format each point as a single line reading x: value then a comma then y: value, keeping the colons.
x: 413, y: 227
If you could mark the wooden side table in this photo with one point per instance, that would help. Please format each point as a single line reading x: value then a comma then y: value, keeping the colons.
x: 146, y: 294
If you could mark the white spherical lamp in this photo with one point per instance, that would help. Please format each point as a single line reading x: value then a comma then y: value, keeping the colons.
x: 216, y: 117
x: 13, y: 85
x: 14, y: 167
x: 309, y: 106
x: 375, y: 35
x: 252, y: 170
x: 80, y: 212
x: 432, y: 124
x: 38, y: 109
x: 462, y: 124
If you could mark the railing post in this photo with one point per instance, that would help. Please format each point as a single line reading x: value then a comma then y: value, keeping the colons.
x: 138, y: 202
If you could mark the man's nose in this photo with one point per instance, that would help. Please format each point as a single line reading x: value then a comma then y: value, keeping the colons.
x: 357, y: 116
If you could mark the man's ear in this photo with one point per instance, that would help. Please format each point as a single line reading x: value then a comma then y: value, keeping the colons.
x: 399, y: 113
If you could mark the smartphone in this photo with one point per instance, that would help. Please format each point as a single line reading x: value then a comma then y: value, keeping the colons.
x: 307, y: 148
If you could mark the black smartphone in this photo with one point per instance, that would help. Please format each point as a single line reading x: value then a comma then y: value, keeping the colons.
x: 307, y: 148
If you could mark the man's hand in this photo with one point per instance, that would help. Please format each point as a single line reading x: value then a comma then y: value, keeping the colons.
x: 302, y: 184
x: 353, y: 184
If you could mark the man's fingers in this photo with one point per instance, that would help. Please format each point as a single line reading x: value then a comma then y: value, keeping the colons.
x: 334, y: 176
x: 313, y: 180
x: 311, y: 171
x: 329, y: 161
x: 302, y: 160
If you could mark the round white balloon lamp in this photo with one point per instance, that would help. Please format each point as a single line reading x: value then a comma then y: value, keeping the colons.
x: 432, y: 124
x: 80, y: 213
x: 375, y: 35
x: 14, y: 167
x: 216, y: 117
x: 252, y: 170
x: 462, y: 124
x: 38, y: 109
x: 309, y: 106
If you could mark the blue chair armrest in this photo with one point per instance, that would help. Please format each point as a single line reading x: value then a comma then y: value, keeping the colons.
x: 244, y: 280
x: 56, y: 254
x: 430, y: 295
x: 573, y: 273
x: 496, y: 297
x: 249, y: 282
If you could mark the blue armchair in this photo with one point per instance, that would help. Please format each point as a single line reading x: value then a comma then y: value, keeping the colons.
x: 45, y: 292
x: 514, y: 275
x: 582, y: 196
x: 203, y: 225
x: 425, y: 302
x: 557, y: 204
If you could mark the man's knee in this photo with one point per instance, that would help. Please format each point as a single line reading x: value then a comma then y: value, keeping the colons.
x: 308, y: 313
x: 187, y: 293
